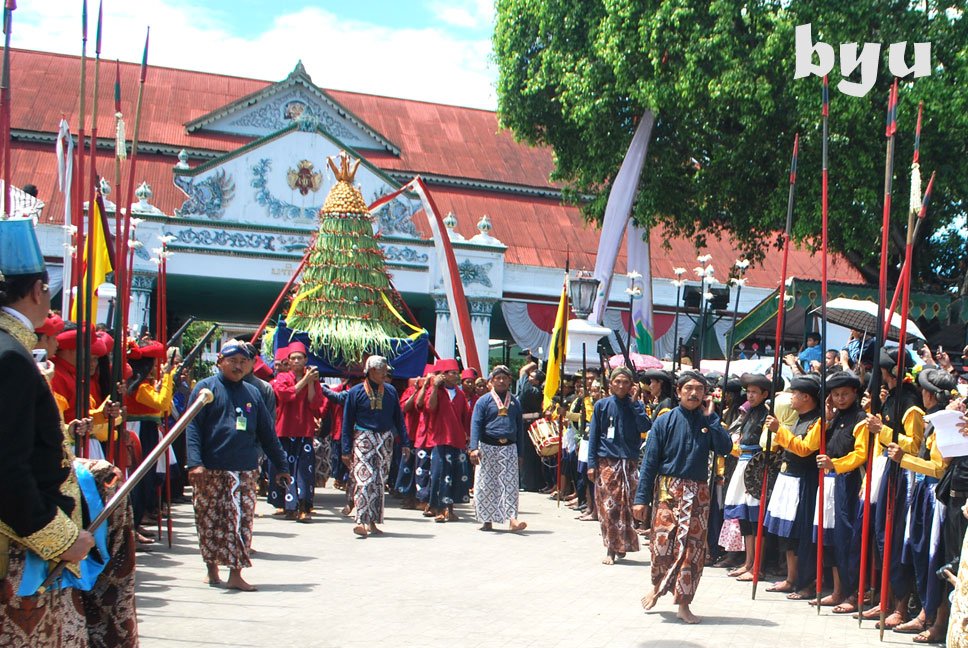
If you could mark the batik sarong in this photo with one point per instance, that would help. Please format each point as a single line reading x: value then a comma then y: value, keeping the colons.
x: 324, y: 466
x: 109, y: 607
x: 614, y: 492
x: 449, y: 483
x: 371, y: 462
x: 421, y: 472
x: 102, y: 617
x: 224, y: 512
x: 496, y: 484
x: 298, y: 495
x: 680, y: 513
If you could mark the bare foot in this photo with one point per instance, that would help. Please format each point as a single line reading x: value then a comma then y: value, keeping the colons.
x: 517, y: 525
x: 211, y: 577
x: 346, y: 510
x: 487, y: 526
x: 360, y: 530
x: 686, y: 615
x: 650, y: 599
x: 375, y: 531
x: 451, y: 516
x: 236, y: 582
x: 739, y: 571
x: 609, y: 559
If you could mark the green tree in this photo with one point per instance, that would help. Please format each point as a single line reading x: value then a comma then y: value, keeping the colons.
x: 576, y: 75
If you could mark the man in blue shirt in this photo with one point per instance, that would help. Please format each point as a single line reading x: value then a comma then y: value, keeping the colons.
x: 223, y: 444
x: 497, y: 432
x: 674, y: 480
x: 372, y: 417
x: 614, y: 437
x: 811, y: 352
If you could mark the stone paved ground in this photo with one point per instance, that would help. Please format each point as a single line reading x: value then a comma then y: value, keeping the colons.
x: 426, y: 584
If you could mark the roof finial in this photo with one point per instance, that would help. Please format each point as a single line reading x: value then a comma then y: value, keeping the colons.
x: 300, y: 70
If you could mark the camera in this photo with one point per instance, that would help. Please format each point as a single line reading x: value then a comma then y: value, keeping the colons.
x: 951, y: 566
x: 40, y: 355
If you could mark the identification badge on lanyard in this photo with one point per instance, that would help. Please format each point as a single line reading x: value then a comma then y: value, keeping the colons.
x: 241, y: 422
x: 611, y: 431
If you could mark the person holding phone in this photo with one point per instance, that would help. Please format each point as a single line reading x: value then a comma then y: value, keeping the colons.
x: 674, y: 488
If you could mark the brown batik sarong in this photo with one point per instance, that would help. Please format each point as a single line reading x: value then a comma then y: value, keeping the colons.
x: 224, y: 513
x: 105, y: 616
x: 614, y: 491
x: 680, y: 515
x: 109, y: 608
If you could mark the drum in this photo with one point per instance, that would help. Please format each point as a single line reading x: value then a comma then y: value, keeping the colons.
x: 544, y: 436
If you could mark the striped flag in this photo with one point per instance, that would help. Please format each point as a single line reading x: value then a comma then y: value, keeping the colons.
x: 97, y: 268
x: 559, y: 345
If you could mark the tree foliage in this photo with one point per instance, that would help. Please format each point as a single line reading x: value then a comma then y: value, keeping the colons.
x: 718, y: 74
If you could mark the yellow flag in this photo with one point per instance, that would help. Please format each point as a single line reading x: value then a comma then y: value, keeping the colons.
x: 559, y: 343
x: 100, y: 265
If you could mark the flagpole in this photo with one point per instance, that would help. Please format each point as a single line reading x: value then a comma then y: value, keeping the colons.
x: 824, y: 212
x: 777, y: 355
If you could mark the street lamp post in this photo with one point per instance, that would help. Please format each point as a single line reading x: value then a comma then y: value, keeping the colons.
x: 583, y: 288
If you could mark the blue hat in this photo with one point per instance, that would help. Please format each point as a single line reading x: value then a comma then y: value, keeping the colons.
x: 232, y: 348
x: 19, y: 250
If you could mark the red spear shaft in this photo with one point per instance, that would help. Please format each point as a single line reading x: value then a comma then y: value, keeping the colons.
x: 875, y: 391
x: 777, y: 355
x: 823, y: 336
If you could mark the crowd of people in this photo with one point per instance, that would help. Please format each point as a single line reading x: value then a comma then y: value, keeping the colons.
x: 674, y: 459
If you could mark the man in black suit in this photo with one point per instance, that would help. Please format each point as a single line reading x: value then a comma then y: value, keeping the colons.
x: 40, y: 508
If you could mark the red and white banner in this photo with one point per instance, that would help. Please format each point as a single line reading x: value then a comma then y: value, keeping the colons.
x: 453, y: 287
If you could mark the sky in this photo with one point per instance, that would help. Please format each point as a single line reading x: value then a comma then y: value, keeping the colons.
x: 428, y: 50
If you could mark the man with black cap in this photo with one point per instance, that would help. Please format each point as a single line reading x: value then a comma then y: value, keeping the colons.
x: 789, y: 515
x: 925, y: 513
x: 738, y: 504
x: 904, y: 398
x: 674, y: 482
x: 497, y: 435
x: 223, y: 443
x: 614, y: 437
x: 843, y: 465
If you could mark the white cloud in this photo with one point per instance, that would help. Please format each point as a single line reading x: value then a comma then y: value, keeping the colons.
x: 428, y: 64
x: 470, y: 14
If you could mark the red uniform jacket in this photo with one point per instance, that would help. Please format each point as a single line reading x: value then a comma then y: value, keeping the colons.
x: 295, y: 414
x: 450, y: 423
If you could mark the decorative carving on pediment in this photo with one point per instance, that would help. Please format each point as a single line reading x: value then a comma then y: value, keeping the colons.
x: 275, y: 207
x: 278, y: 113
x: 398, y: 254
x: 395, y: 217
x: 289, y: 243
x: 225, y: 239
x: 475, y: 273
x: 208, y: 197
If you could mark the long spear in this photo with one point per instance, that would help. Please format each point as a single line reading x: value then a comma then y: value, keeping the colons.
x: 824, y: 211
x: 5, y: 107
x: 81, y: 406
x: 915, y: 208
x: 894, y: 470
x: 89, y: 315
x: 777, y: 355
x: 890, y: 131
x: 116, y: 446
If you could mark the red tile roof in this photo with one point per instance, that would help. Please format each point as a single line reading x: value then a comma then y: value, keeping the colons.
x: 434, y: 139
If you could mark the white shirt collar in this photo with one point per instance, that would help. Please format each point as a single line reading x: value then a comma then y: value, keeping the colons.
x: 19, y: 316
